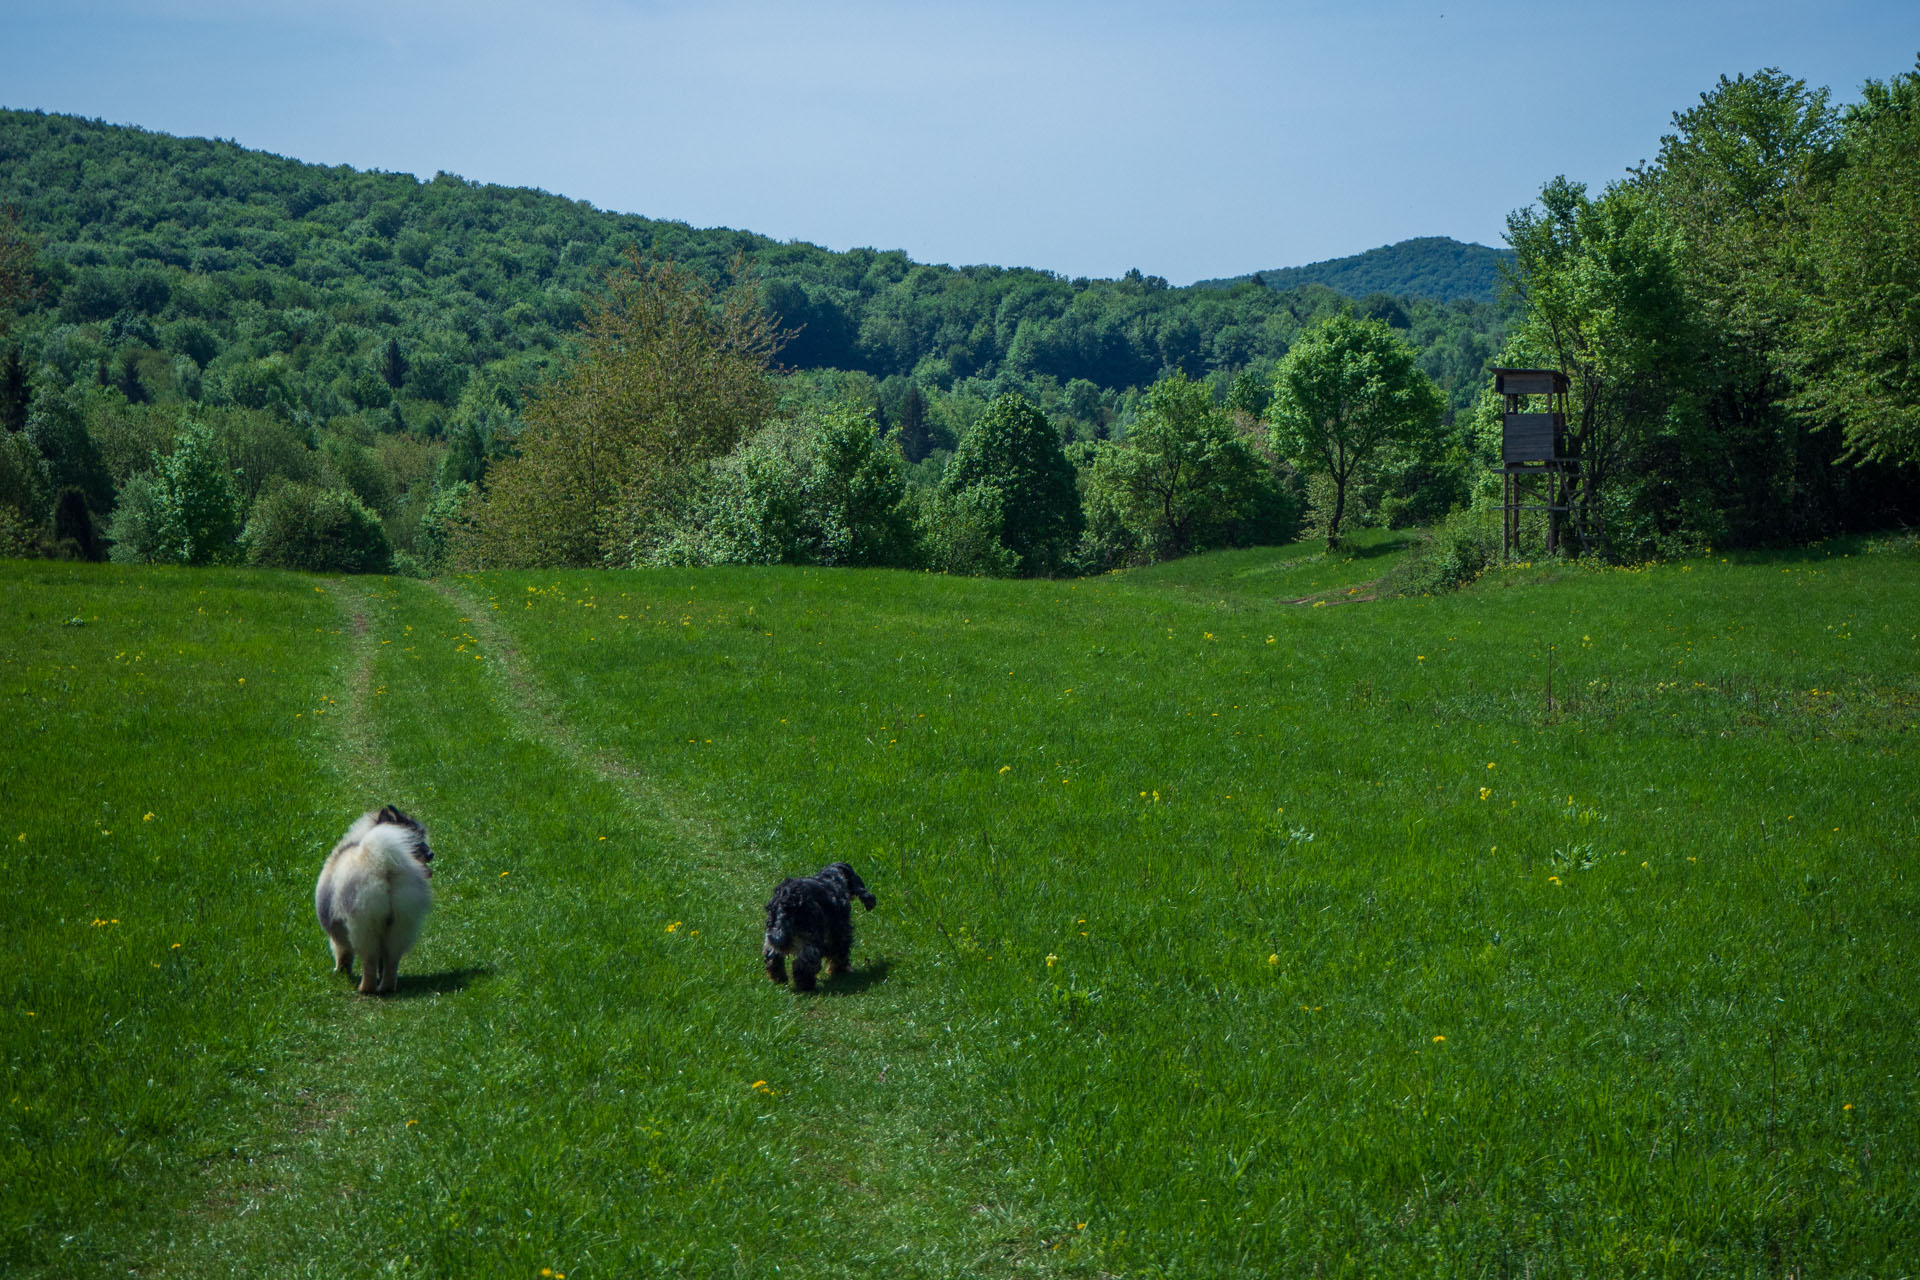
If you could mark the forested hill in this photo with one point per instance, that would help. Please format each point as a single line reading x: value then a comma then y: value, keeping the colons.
x: 1429, y: 267
x: 188, y: 269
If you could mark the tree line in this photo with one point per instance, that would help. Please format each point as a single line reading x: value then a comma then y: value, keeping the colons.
x: 384, y: 371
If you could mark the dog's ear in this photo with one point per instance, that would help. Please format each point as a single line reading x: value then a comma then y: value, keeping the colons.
x: 388, y: 814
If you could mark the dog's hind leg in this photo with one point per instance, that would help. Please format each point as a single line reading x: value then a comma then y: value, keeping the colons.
x: 805, y: 968
x: 373, y: 963
x: 838, y: 960
x: 342, y: 955
x: 776, y: 965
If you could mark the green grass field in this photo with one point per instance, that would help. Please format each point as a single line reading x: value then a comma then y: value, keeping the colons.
x: 1218, y: 934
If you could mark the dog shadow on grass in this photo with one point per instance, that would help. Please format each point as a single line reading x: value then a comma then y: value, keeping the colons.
x: 855, y: 981
x: 443, y: 983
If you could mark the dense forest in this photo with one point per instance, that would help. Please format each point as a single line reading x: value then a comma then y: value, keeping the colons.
x: 374, y: 370
x: 1427, y: 267
x: 157, y: 248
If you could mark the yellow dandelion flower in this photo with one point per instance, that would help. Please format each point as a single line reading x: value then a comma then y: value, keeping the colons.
x: 148, y: 817
x: 1489, y: 764
x: 1439, y: 1039
x: 674, y: 927
x: 1273, y: 959
x: 1050, y: 959
x: 1485, y: 792
x: 1848, y: 1107
x: 1006, y: 768
x: 1553, y: 879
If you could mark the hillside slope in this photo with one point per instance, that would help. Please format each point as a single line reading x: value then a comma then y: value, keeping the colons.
x: 184, y: 268
x: 1437, y: 267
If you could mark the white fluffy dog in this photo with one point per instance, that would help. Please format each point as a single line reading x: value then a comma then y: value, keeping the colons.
x: 373, y: 896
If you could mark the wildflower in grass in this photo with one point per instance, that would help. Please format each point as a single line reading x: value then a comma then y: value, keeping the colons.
x: 1050, y: 959
x: 1553, y: 879
x: 1273, y: 959
x: 503, y: 875
x: 1485, y: 792
x: 674, y: 927
x: 1489, y: 764
x: 1005, y: 768
x: 1419, y: 657
x: 1439, y: 1039
x: 1848, y: 1107
x: 148, y: 817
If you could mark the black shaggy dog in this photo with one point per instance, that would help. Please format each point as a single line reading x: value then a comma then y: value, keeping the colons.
x: 812, y: 920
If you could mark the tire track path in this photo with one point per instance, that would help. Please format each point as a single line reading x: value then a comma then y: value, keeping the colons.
x: 910, y: 1174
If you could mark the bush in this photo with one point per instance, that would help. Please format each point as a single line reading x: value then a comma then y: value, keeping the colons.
x: 1452, y: 555
x: 961, y: 533
x: 298, y: 526
x: 824, y: 488
x: 135, y: 527
x: 186, y: 511
x: 439, y: 528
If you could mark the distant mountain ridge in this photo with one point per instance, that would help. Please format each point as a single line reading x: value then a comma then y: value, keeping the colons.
x: 1437, y: 267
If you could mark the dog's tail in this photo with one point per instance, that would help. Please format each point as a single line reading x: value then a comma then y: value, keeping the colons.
x: 779, y: 937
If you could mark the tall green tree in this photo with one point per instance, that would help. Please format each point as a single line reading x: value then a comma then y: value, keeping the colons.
x: 1183, y: 476
x: 1859, y: 350
x: 1737, y: 182
x: 1348, y: 390
x: 1014, y: 451
x: 1607, y: 306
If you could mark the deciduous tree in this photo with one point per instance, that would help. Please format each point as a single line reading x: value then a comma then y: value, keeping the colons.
x: 667, y: 374
x: 1014, y: 451
x: 1182, y: 476
x: 1347, y: 390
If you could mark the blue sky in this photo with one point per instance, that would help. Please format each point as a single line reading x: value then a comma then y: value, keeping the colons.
x: 1189, y: 140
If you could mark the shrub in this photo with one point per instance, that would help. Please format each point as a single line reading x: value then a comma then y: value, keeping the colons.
x: 1452, y: 555
x: 961, y: 533
x: 298, y: 526
x: 824, y: 488
x: 186, y: 511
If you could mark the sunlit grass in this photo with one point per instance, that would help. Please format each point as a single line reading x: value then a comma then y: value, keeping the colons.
x: 1217, y: 933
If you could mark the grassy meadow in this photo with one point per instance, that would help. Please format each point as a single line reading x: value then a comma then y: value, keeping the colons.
x: 1230, y: 922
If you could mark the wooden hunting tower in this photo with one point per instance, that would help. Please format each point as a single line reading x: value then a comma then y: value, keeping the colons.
x: 1533, y: 447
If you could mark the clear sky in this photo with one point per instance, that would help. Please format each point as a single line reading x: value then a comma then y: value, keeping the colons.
x: 1186, y: 139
